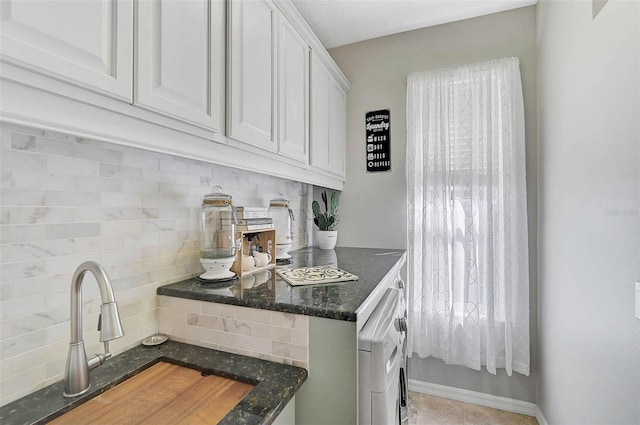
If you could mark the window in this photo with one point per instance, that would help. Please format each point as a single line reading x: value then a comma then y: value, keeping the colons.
x: 467, y: 238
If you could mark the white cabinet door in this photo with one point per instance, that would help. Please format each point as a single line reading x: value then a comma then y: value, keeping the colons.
x: 293, y: 72
x: 320, y: 115
x: 328, y: 120
x: 338, y: 129
x: 88, y: 43
x: 180, y: 53
x: 252, y: 72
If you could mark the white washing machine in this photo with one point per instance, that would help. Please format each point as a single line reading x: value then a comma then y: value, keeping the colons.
x: 382, y: 363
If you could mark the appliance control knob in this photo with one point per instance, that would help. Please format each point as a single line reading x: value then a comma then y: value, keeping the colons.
x: 402, y: 324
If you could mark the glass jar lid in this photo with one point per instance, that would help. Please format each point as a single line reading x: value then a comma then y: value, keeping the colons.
x: 217, y: 197
x: 281, y: 201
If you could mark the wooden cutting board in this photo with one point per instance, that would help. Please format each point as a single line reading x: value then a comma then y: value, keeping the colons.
x: 163, y: 394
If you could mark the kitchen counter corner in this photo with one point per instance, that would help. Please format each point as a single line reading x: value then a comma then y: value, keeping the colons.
x: 340, y: 301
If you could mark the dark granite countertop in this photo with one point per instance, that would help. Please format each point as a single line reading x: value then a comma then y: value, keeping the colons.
x: 276, y: 383
x: 266, y: 290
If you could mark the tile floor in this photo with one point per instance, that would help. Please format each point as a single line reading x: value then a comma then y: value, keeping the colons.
x: 430, y: 410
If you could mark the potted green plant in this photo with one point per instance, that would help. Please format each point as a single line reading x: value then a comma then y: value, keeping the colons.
x: 326, y: 221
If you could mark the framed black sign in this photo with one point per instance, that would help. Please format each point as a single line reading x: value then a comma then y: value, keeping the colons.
x: 378, y: 140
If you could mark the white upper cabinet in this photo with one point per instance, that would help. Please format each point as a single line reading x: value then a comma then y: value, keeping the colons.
x: 320, y: 113
x: 241, y: 83
x: 293, y: 98
x: 338, y: 129
x: 180, y: 57
x: 86, y: 43
x: 251, y: 79
x: 328, y: 120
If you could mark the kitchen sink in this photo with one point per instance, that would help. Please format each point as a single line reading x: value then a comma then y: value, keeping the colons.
x: 163, y: 393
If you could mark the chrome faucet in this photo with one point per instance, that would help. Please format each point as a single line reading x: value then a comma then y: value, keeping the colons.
x: 76, y: 376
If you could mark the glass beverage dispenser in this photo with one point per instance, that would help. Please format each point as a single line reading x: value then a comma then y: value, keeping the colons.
x: 282, y: 217
x: 216, y: 236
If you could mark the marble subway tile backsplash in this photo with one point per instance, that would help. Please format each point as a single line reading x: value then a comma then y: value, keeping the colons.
x: 270, y: 335
x: 65, y: 200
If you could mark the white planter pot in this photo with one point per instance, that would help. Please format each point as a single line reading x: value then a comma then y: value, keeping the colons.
x: 327, y: 238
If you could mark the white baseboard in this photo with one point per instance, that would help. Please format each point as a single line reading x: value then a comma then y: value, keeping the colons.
x: 482, y: 399
x: 540, y: 417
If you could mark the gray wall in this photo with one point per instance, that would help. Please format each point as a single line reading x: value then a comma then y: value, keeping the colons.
x: 373, y: 206
x: 589, y: 220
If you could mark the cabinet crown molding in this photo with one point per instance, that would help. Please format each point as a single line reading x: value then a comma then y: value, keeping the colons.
x: 294, y: 16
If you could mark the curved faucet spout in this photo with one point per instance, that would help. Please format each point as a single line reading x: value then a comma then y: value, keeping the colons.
x: 76, y: 378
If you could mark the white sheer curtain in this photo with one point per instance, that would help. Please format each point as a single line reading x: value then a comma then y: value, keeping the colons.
x: 467, y: 238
